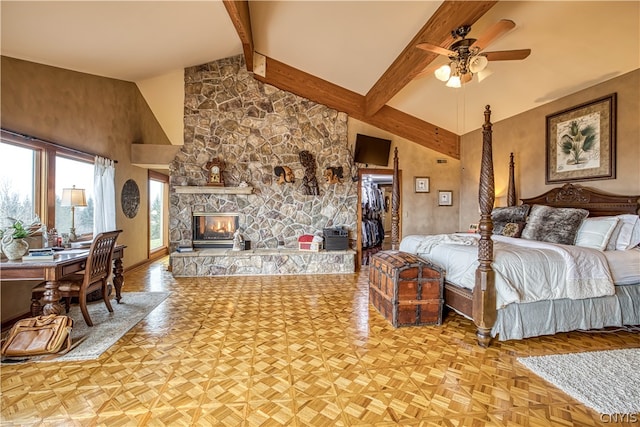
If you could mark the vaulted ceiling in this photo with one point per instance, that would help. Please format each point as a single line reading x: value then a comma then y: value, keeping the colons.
x: 355, y: 56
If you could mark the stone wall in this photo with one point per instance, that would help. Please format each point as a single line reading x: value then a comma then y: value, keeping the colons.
x: 254, y: 127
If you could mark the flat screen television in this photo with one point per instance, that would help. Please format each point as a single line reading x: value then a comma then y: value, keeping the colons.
x: 371, y: 150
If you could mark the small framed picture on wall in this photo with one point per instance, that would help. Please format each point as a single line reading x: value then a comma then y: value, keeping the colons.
x: 422, y: 184
x: 445, y: 198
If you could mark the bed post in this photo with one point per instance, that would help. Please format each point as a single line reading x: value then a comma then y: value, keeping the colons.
x: 395, y: 204
x: 484, y: 293
x: 511, y: 190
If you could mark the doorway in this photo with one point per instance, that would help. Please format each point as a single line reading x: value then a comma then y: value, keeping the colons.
x: 375, y: 187
x: 158, y: 190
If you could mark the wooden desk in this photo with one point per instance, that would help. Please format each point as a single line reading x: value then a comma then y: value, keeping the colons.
x: 65, y: 262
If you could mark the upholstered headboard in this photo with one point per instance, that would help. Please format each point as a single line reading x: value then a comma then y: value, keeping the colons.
x: 596, y: 202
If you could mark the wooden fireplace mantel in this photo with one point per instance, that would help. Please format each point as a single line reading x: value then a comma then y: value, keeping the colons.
x: 190, y: 189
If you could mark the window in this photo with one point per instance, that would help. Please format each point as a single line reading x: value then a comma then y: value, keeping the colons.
x: 19, y: 168
x: 72, y: 173
x: 33, y: 174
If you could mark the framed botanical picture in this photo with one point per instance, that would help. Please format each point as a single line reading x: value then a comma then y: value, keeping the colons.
x: 581, y: 142
x: 445, y: 198
x: 422, y: 184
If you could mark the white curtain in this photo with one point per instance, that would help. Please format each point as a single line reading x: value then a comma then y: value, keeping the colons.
x: 104, y: 188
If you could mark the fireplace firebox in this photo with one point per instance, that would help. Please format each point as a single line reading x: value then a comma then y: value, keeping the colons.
x: 214, y: 230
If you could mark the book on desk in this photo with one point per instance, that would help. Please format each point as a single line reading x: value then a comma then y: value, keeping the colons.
x: 44, y: 254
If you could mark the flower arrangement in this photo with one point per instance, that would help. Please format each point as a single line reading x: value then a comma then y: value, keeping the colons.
x: 19, y: 230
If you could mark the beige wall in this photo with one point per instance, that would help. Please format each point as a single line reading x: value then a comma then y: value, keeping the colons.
x: 165, y: 96
x: 420, y: 211
x: 94, y: 114
x: 524, y: 135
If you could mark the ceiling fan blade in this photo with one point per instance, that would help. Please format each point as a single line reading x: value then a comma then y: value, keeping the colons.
x: 435, y: 49
x: 496, y: 30
x: 507, y: 55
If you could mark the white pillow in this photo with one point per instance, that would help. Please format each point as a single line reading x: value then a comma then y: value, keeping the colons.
x: 596, y: 232
x: 635, y: 236
x: 625, y: 234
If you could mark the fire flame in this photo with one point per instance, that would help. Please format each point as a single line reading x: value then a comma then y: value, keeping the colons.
x: 221, y: 226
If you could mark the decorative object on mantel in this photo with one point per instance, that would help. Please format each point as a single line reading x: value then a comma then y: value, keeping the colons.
x: 309, y: 242
x: 309, y: 182
x: 130, y: 198
x: 13, y: 237
x: 214, y: 167
x: 238, y: 241
x: 333, y: 174
x: 284, y: 174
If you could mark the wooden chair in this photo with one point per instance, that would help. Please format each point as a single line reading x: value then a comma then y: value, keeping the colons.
x: 96, y: 273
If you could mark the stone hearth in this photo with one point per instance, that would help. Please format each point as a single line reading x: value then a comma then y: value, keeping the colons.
x: 220, y: 262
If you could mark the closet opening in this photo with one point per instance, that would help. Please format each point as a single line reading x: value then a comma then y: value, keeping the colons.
x: 375, y: 189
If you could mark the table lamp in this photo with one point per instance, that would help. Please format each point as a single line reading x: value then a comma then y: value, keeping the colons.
x: 73, y: 197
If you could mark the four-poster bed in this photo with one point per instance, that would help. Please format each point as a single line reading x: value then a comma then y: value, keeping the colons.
x: 497, y: 303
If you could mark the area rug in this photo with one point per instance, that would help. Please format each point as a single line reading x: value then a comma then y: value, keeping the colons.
x: 606, y: 381
x: 90, y: 342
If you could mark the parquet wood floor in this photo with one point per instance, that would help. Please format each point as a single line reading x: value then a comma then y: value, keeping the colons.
x: 293, y: 351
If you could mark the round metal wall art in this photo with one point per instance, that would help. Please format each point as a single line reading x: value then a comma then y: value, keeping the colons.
x: 130, y: 198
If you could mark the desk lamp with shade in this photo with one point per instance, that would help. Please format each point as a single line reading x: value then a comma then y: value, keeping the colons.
x: 74, y: 197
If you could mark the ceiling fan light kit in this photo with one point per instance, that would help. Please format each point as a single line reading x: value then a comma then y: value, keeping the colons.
x: 454, y: 82
x: 443, y: 73
x: 477, y: 63
x: 466, y: 59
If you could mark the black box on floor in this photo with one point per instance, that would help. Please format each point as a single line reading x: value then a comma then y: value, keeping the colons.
x: 336, y: 239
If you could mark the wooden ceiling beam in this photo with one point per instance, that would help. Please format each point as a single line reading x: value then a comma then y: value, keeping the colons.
x: 308, y: 86
x: 404, y: 125
x: 416, y: 130
x: 239, y: 13
x: 450, y: 15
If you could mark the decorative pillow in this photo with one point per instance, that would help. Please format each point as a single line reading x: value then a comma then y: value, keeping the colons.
x: 509, y: 215
x: 554, y: 225
x: 623, y: 235
x: 513, y: 229
x: 596, y: 232
x: 498, y: 227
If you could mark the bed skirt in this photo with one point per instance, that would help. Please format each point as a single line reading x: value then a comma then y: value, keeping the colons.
x: 517, y: 321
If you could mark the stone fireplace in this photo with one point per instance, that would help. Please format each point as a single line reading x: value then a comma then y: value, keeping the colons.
x: 214, y: 229
x: 253, y: 129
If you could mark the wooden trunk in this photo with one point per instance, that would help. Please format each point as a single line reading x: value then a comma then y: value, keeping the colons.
x: 405, y: 289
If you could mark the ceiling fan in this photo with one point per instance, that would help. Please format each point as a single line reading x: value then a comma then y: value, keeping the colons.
x: 466, y: 56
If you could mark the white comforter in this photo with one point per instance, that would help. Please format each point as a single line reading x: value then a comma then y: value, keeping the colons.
x: 525, y: 270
